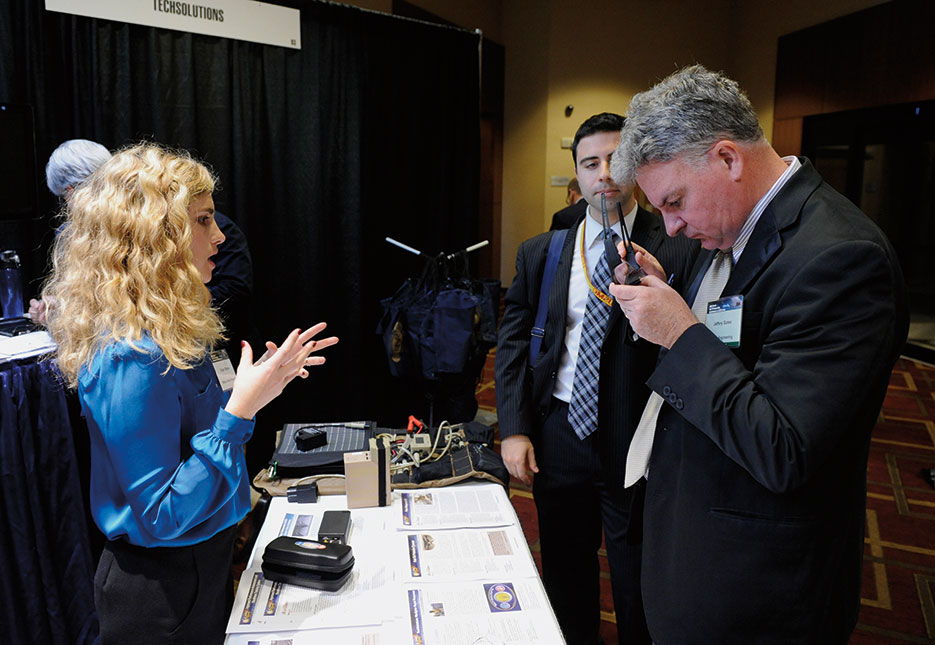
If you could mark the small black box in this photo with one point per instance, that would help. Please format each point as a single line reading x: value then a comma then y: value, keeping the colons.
x: 310, y: 438
x: 308, y: 563
x: 303, y: 493
x: 334, y: 527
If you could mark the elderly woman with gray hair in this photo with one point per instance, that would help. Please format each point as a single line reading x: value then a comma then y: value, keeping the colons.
x: 68, y: 166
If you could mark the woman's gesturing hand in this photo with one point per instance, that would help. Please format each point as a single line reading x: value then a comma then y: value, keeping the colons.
x: 259, y: 383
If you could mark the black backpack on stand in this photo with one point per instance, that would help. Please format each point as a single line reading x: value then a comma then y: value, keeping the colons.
x: 437, y: 329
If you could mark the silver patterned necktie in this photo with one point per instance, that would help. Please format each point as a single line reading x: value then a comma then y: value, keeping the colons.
x: 641, y: 446
x: 582, y: 408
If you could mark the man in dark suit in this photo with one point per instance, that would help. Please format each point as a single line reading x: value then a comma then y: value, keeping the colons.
x: 231, y: 287
x: 755, y: 501
x: 577, y: 482
x: 577, y: 205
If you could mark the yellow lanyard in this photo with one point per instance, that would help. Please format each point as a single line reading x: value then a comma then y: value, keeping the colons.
x: 603, y: 297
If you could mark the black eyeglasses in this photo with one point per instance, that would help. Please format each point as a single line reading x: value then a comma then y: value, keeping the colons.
x: 635, y: 272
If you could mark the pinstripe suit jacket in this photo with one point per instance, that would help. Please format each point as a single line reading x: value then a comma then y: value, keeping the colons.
x: 524, y: 391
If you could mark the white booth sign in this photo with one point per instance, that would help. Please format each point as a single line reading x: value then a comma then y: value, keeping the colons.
x: 256, y: 22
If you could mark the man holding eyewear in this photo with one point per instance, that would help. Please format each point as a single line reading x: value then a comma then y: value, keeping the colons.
x: 757, y: 434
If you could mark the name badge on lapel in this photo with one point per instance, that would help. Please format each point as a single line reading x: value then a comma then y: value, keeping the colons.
x: 223, y: 369
x: 724, y: 316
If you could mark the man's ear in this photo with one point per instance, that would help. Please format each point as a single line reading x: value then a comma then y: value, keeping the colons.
x: 726, y: 152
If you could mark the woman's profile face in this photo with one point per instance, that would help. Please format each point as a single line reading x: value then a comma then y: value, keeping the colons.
x: 206, y: 236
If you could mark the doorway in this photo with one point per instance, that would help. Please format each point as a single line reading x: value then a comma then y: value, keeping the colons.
x: 883, y: 160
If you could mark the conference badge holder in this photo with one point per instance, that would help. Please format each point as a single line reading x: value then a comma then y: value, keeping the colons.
x: 724, y: 317
x: 223, y: 369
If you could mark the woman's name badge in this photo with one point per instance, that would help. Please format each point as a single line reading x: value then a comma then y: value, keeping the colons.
x: 724, y: 317
x: 223, y: 369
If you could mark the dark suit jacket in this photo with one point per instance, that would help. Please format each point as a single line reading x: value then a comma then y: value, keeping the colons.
x: 754, y: 516
x: 231, y: 287
x: 523, y: 394
x: 568, y: 216
x: 232, y: 278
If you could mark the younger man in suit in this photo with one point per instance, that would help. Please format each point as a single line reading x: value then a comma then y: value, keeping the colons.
x: 754, y: 510
x: 566, y: 420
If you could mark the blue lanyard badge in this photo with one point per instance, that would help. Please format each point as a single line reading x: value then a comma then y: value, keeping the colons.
x: 723, y: 319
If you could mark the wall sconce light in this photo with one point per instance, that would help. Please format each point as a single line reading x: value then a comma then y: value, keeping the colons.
x: 568, y: 110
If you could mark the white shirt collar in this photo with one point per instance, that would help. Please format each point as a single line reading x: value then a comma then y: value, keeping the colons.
x: 747, y: 229
x: 593, y: 228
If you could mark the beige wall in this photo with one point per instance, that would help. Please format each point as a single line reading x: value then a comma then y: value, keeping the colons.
x: 594, y: 55
x: 527, y: 27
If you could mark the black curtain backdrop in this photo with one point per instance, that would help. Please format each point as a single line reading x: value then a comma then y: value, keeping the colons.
x: 370, y: 130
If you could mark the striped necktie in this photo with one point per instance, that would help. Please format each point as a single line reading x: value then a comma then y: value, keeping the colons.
x: 582, y: 409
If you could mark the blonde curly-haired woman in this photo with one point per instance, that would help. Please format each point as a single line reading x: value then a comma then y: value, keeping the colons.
x: 134, y: 330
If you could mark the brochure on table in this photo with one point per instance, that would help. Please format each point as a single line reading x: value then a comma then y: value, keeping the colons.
x: 439, y: 566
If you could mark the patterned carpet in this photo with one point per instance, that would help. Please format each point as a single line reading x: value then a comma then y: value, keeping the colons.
x: 898, y: 596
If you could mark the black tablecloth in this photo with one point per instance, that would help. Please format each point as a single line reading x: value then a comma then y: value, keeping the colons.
x: 46, y: 587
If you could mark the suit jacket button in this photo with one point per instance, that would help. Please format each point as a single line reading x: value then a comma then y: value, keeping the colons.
x: 679, y: 405
x: 672, y: 398
x: 666, y: 391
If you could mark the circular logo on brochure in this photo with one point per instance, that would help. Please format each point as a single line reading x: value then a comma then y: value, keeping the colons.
x: 501, y: 596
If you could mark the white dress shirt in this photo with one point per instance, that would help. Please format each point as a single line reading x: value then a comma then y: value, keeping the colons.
x: 591, y: 228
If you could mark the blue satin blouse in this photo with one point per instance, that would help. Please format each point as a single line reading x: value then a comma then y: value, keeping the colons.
x: 167, y: 461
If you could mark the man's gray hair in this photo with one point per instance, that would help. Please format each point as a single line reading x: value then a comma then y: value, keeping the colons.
x: 72, y: 162
x: 684, y: 114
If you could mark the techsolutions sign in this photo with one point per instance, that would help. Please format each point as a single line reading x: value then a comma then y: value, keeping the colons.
x: 255, y: 22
